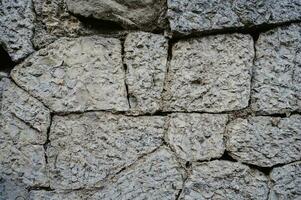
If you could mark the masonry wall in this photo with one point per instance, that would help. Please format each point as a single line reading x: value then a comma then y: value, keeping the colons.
x: 184, y: 99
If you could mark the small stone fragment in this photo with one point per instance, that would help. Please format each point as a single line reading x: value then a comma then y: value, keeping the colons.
x: 87, y: 149
x: 79, y: 74
x: 12, y: 190
x: 286, y: 182
x: 265, y: 141
x: 199, y: 16
x: 196, y: 137
x: 16, y: 27
x: 210, y: 74
x: 146, y: 59
x: 19, y: 104
x: 225, y: 180
x: 157, y: 176
x: 137, y: 14
x: 277, y: 72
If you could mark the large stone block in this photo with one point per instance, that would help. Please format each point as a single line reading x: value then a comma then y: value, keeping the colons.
x: 12, y: 190
x: 79, y: 74
x: 286, y: 181
x: 86, y: 150
x: 277, y: 73
x: 211, y: 74
x: 265, y: 141
x: 146, y: 15
x: 197, y: 16
x: 196, y: 137
x: 225, y: 180
x: 146, y: 60
x: 157, y: 176
x: 16, y: 27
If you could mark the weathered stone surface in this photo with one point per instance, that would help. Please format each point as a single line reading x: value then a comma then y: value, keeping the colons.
x: 146, y: 15
x: 210, y: 74
x: 265, y: 141
x: 19, y: 104
x: 286, y: 182
x: 88, y: 149
x: 157, y: 176
x: 54, y: 195
x: 79, y: 74
x: 195, y: 16
x: 12, y: 190
x: 277, y: 72
x: 225, y: 180
x: 197, y: 137
x: 146, y: 60
x: 16, y: 27
x: 23, y: 125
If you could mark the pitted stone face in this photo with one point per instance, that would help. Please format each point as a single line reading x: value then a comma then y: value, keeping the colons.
x: 225, y: 180
x: 86, y: 150
x: 197, y: 16
x: 277, y: 72
x: 23, y: 125
x: 76, y: 75
x: 210, y: 74
x: 285, y: 182
x: 265, y: 141
x: 141, y: 14
x: 197, y: 137
x: 146, y: 61
x: 17, y: 27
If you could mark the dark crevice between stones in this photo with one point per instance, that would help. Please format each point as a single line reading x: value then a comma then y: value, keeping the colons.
x: 125, y: 68
x: 252, y: 30
x: 98, y: 24
x: 40, y: 188
x: 6, y: 63
x: 265, y: 170
x: 46, y: 144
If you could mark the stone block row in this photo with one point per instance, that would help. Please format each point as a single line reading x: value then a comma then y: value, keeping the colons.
x: 209, y: 180
x: 209, y: 74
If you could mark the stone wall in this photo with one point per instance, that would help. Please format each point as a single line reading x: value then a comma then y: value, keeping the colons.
x: 176, y: 99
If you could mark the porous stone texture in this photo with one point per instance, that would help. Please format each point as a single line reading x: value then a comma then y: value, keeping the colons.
x: 23, y: 125
x: 196, y: 137
x: 286, y: 181
x: 265, y: 141
x: 137, y: 14
x: 146, y: 61
x: 157, y: 176
x: 85, y: 150
x: 16, y: 27
x: 225, y: 180
x: 12, y: 190
x: 277, y: 71
x: 54, y: 195
x: 79, y: 74
x: 211, y: 74
x: 197, y: 16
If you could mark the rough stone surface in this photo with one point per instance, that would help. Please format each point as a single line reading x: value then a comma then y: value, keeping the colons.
x: 194, y: 16
x: 54, y: 195
x: 146, y: 15
x: 225, y: 180
x: 23, y: 125
x: 146, y: 61
x: 265, y: 141
x: 76, y: 75
x: 277, y: 71
x: 88, y: 149
x: 16, y: 27
x: 12, y: 190
x: 157, y: 176
x: 210, y: 74
x: 196, y: 137
x: 286, y: 181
